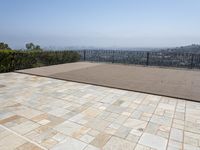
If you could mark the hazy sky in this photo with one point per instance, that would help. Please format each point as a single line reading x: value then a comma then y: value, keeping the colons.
x: 104, y: 23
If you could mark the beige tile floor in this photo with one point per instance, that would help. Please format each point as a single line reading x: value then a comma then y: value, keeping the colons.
x: 42, y: 113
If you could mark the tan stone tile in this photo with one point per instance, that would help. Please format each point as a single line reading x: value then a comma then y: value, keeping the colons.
x: 175, y: 144
x: 86, y: 138
x: 28, y: 146
x: 116, y: 143
x: 176, y: 134
x: 79, y: 132
x: 59, y: 137
x: 100, y: 140
x: 90, y: 147
x: 49, y: 143
x: 11, y: 142
x: 91, y: 112
x: 42, y: 129
x: 98, y: 124
x: 32, y: 135
x: 4, y: 133
x: 122, y: 132
x: 93, y: 132
x: 135, y: 124
x: 163, y: 134
x: 153, y: 141
x: 70, y: 144
x: 9, y: 119
x: 40, y: 117
x: 14, y: 105
x: 25, y: 127
x: 28, y: 112
x: 44, y: 122
x: 111, y: 131
x: 133, y: 138
x: 142, y: 147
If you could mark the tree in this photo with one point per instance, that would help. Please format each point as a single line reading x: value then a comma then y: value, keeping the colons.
x: 4, y: 46
x: 37, y: 47
x: 32, y: 47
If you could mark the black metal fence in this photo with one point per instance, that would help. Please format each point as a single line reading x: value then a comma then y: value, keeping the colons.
x: 165, y: 59
x: 22, y: 60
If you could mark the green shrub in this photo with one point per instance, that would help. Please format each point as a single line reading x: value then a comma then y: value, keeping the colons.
x: 5, y: 61
x: 14, y: 60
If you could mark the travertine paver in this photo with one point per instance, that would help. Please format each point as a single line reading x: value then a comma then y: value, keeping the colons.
x: 153, y: 141
x: 42, y: 113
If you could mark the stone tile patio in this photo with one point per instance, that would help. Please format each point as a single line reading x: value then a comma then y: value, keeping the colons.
x: 43, y: 113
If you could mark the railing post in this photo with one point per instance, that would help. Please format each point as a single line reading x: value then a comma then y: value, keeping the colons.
x: 99, y: 55
x: 192, y: 61
x: 84, y: 52
x: 147, y: 62
x: 113, y: 57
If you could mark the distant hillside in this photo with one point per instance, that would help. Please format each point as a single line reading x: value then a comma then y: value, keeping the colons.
x: 194, y: 48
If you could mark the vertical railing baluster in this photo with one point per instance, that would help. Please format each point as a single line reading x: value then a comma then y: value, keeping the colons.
x: 192, y: 61
x: 147, y: 62
x: 84, y: 52
x: 113, y: 56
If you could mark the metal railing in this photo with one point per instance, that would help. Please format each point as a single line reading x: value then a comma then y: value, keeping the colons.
x: 22, y: 60
x: 163, y: 59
